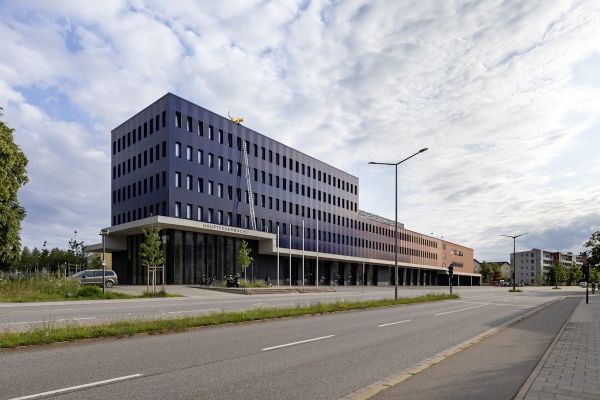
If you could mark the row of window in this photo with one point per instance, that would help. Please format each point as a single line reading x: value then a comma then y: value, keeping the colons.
x: 275, y: 157
x: 139, y: 213
x: 131, y: 137
x: 143, y: 186
x: 300, y: 189
x: 220, y: 217
x: 141, y: 159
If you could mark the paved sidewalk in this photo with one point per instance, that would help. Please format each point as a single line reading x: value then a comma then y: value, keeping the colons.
x: 570, y: 369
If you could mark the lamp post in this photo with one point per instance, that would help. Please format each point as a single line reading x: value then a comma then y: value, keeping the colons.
x: 396, y: 216
x: 514, y: 273
x: 103, y: 233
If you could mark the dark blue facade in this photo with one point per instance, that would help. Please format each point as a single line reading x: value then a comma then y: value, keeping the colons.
x: 178, y: 159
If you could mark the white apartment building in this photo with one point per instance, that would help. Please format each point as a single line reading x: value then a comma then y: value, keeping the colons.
x: 532, y: 266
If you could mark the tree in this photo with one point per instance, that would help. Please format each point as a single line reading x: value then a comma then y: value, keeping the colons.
x: 557, y: 274
x: 486, y: 272
x: 594, y: 245
x: 13, y: 175
x: 245, y: 258
x: 151, y: 252
x: 77, y: 255
x: 575, y: 274
x: 594, y: 259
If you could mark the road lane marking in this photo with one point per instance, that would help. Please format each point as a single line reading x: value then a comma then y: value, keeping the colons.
x: 496, y: 304
x: 394, y: 323
x: 295, y: 343
x: 191, y: 311
x: 461, y: 309
x: 48, y: 321
x: 71, y: 388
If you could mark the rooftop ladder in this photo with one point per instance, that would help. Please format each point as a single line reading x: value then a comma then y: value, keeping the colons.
x: 249, y: 186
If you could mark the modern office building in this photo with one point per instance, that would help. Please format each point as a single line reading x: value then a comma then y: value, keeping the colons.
x: 532, y: 266
x: 195, y: 175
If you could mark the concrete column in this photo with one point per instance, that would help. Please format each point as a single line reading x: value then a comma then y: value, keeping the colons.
x: 403, y: 276
x: 411, y: 277
x: 419, y: 272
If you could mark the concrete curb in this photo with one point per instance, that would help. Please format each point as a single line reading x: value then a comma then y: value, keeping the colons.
x: 376, y: 387
x: 527, y: 385
x: 271, y: 290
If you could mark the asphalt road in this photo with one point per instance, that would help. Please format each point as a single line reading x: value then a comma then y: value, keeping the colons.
x: 15, y: 316
x: 494, y: 369
x: 320, y: 357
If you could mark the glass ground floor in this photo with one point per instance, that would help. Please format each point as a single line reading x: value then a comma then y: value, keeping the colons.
x: 192, y: 256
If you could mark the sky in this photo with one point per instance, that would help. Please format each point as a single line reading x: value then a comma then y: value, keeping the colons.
x: 505, y: 94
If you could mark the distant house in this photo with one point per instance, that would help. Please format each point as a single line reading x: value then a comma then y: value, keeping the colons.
x: 505, y: 272
x: 476, y: 266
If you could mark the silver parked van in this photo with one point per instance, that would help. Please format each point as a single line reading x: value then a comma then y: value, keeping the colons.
x: 94, y: 277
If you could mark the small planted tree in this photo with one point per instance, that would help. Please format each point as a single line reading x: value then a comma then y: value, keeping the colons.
x: 558, y: 274
x: 245, y: 258
x: 152, y: 255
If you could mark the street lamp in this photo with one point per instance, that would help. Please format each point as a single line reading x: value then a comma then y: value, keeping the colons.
x: 396, y: 216
x: 103, y: 233
x: 514, y: 273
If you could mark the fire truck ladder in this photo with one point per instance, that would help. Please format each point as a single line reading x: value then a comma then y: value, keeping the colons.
x: 249, y: 185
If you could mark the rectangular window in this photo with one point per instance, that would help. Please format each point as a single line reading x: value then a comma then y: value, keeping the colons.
x: 200, y: 128
x: 177, y: 179
x: 188, y: 211
x: 220, y: 163
x: 200, y: 157
x: 199, y: 212
x: 230, y: 140
x: 188, y: 153
x: 188, y: 182
x: 209, y: 216
x: 220, y: 190
x: 145, y: 129
x: 177, y: 149
x: 177, y: 209
x: 177, y: 119
x: 221, y: 136
x: 210, y: 133
x: 189, y: 125
x: 210, y: 187
x: 200, y: 185
x: 211, y: 162
x: 220, y: 217
x: 262, y: 152
x: 230, y: 192
x: 229, y: 166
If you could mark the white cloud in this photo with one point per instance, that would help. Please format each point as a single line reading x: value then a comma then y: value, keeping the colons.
x: 488, y: 86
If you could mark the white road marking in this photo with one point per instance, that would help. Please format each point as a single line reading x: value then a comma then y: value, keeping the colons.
x: 295, y: 343
x: 191, y: 311
x: 70, y: 388
x: 462, y: 309
x: 496, y: 304
x: 394, y: 323
x: 48, y: 321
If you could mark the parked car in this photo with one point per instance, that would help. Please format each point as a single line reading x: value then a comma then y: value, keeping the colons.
x: 94, y: 277
x: 583, y: 284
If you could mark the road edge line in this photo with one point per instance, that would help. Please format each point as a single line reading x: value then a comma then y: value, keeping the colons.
x: 536, y: 371
x: 394, y: 379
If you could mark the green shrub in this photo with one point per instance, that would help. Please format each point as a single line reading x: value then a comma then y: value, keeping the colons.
x: 89, y: 291
x: 253, y: 284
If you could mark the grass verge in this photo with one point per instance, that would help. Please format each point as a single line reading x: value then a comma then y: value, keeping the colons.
x: 60, y: 333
